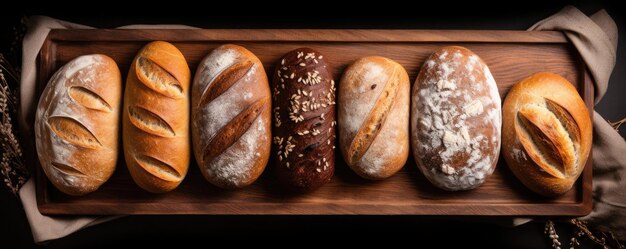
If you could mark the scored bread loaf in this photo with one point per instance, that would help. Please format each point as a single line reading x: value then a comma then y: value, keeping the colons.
x: 156, y: 117
x: 77, y: 124
x: 455, y: 119
x: 231, y: 117
x: 304, y: 120
x: 373, y: 117
x: 547, y: 133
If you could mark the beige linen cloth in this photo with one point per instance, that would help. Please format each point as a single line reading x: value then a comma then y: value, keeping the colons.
x: 595, y: 38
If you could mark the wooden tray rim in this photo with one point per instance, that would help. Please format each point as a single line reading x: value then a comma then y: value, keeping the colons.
x: 581, y: 208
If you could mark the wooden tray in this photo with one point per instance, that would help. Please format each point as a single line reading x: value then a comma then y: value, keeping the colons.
x: 511, y: 56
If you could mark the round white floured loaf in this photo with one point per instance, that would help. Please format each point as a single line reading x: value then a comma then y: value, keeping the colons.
x: 456, y: 119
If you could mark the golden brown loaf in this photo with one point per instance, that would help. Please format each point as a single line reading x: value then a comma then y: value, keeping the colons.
x: 304, y: 120
x: 156, y: 117
x: 231, y: 117
x: 373, y: 117
x: 547, y: 133
x: 455, y: 119
x: 77, y: 122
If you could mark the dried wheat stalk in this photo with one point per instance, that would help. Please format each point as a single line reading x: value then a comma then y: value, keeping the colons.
x: 12, y: 169
x: 605, y: 239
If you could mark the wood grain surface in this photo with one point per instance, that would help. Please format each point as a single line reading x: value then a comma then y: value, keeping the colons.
x: 511, y: 56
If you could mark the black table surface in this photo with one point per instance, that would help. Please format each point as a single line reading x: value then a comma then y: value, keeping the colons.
x: 207, y: 231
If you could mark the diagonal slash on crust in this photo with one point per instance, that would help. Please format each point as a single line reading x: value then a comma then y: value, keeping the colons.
x: 374, y: 120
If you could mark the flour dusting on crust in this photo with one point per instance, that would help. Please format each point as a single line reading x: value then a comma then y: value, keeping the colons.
x: 53, y: 149
x: 235, y: 165
x: 357, y: 111
x: 456, y: 120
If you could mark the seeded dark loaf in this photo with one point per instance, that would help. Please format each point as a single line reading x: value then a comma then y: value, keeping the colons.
x: 303, y: 147
x: 231, y: 117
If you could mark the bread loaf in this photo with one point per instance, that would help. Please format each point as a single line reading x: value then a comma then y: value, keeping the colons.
x: 77, y: 124
x: 373, y: 117
x: 304, y: 120
x: 156, y: 117
x: 231, y: 117
x: 456, y: 119
x: 547, y: 133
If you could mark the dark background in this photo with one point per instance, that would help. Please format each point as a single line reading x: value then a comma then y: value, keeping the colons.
x: 208, y: 231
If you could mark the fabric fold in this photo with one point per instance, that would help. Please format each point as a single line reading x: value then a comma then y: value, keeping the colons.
x: 596, y: 44
x: 48, y: 228
x: 595, y: 38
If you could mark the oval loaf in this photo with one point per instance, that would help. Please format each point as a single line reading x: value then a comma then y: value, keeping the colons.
x: 547, y: 133
x: 304, y: 120
x: 77, y: 124
x: 231, y: 117
x: 373, y: 116
x: 155, y: 117
x: 456, y: 119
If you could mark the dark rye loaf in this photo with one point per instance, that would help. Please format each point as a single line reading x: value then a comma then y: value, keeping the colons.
x: 303, y: 147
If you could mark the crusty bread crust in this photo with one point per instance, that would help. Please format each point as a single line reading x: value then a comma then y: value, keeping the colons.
x: 155, y: 117
x: 547, y: 133
x: 456, y: 119
x: 77, y: 124
x: 373, y: 117
x: 304, y: 120
x: 231, y: 117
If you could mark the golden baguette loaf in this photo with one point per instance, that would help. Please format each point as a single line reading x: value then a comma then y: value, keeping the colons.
x: 547, y: 133
x: 77, y: 124
x: 231, y: 117
x: 373, y: 117
x: 455, y: 119
x: 156, y: 117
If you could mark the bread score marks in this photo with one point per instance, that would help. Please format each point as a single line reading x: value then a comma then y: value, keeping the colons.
x: 456, y: 119
x: 566, y: 120
x: 68, y: 129
x: 156, y: 115
x: 212, y: 116
x: 233, y: 165
x: 299, y: 77
x: 550, y: 136
x: 149, y: 122
x: 230, y: 100
x: 71, y: 176
x: 158, y: 168
x: 233, y: 131
x: 73, y: 132
x: 67, y: 170
x: 155, y: 77
x: 375, y: 118
x: 547, y: 133
x: 89, y: 99
x: 225, y: 80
